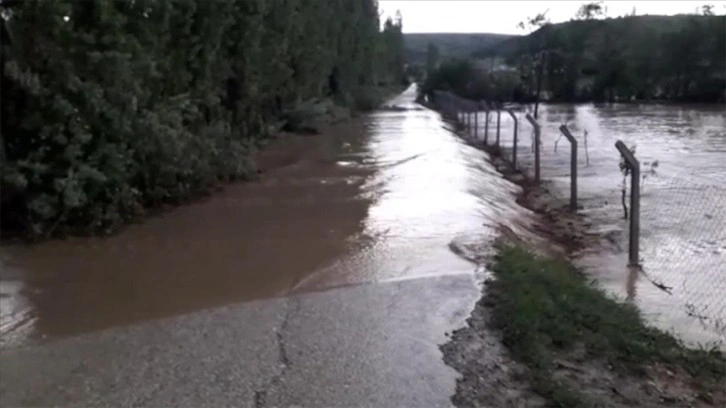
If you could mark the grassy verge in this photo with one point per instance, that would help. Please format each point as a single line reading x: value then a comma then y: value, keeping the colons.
x: 545, y: 309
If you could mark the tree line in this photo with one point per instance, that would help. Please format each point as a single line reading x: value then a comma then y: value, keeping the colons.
x: 591, y: 58
x: 113, y: 107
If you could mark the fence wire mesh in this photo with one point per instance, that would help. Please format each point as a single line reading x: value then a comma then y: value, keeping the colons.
x: 684, y: 249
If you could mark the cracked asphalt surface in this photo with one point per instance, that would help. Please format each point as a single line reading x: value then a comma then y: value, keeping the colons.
x: 371, y: 345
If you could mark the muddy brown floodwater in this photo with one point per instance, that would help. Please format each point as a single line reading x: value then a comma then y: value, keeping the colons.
x: 380, y: 198
x: 682, y: 148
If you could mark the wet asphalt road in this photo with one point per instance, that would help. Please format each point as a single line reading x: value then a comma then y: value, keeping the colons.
x: 372, y: 345
x: 375, y: 232
x: 363, y: 330
x: 370, y: 340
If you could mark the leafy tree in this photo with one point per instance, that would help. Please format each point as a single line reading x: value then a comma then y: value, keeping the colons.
x: 589, y: 11
x: 432, y: 58
x: 540, y: 48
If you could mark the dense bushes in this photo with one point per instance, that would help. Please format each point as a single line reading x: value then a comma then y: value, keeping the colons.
x: 111, y: 107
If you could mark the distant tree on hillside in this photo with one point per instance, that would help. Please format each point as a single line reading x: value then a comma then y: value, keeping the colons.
x: 590, y: 11
x: 540, y: 52
x: 432, y: 58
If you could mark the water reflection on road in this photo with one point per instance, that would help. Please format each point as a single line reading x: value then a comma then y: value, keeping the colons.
x: 379, y: 198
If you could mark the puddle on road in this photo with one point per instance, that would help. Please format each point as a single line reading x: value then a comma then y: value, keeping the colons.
x: 379, y: 198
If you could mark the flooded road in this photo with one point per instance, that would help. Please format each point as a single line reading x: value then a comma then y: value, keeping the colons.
x: 378, y: 199
x: 385, y: 209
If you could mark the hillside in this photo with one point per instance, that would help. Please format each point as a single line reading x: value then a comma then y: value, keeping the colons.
x: 588, y: 31
x: 449, y: 44
x: 679, y: 57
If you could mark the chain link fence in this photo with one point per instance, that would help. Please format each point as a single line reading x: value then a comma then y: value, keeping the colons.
x: 682, y: 258
x: 683, y: 249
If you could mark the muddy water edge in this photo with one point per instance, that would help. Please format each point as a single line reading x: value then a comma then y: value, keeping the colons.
x: 238, y: 244
x: 382, y: 197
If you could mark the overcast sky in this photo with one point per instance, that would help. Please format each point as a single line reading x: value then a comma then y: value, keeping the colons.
x: 473, y: 16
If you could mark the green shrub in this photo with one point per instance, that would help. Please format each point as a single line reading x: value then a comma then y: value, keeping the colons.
x: 111, y: 107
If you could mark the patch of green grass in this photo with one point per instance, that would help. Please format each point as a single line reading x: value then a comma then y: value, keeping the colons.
x: 545, y: 307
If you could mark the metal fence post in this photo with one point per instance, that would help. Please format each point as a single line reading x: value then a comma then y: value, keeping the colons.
x: 573, y: 166
x: 476, y: 123
x: 535, y: 125
x: 462, y: 108
x: 634, y: 241
x: 486, y: 125
x: 447, y: 102
x: 499, y: 116
x: 463, y: 112
x: 514, y: 152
